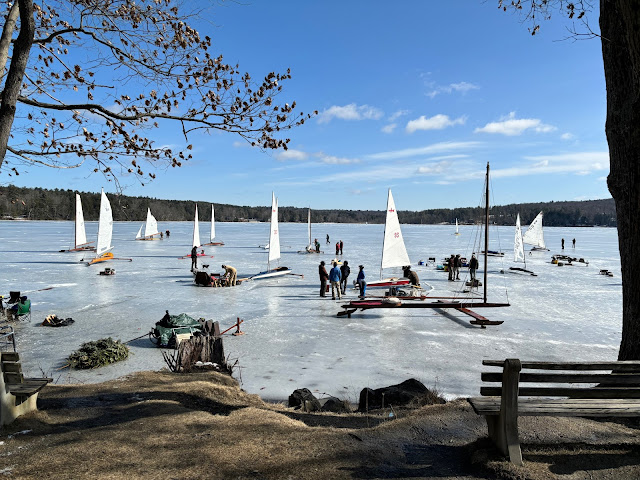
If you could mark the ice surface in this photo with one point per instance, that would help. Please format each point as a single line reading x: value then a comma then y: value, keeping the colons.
x: 293, y: 337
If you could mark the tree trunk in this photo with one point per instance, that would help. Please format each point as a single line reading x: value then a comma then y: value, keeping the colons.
x: 620, y: 30
x: 13, y: 84
x: 7, y: 34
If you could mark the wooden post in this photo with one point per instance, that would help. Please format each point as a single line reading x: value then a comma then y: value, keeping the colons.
x: 216, y: 329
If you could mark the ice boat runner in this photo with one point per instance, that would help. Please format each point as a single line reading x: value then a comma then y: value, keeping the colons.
x: 212, y: 234
x: 105, y: 231
x: 274, y: 247
x: 80, y: 239
x: 150, y: 228
x: 311, y: 246
x: 460, y: 304
x: 518, y: 252
x: 394, y: 253
x: 534, y: 234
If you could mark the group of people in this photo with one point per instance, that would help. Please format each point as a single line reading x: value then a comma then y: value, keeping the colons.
x: 337, y: 277
x: 454, y: 262
x: 453, y: 267
x: 339, y: 246
x: 573, y: 243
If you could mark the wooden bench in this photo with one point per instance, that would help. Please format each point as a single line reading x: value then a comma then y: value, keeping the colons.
x: 18, y: 394
x: 558, y: 389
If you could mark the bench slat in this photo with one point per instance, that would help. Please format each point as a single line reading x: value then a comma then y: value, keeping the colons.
x: 609, y: 392
x: 601, y: 378
x: 13, y: 367
x: 21, y: 389
x: 9, y: 356
x: 623, y: 366
x: 561, y: 408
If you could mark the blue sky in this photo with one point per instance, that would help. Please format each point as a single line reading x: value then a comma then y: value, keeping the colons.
x: 414, y: 96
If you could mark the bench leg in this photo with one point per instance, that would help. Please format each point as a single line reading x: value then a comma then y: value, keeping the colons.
x: 505, y: 436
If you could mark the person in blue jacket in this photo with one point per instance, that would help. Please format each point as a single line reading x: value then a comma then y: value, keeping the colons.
x: 361, y: 281
x: 334, y: 277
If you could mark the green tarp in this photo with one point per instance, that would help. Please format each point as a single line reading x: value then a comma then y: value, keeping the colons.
x: 172, y: 325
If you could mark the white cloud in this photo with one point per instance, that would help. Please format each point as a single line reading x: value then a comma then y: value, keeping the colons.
x: 291, y: 154
x: 577, y: 163
x: 396, y: 115
x: 436, y: 148
x: 511, y: 126
x: 437, y: 122
x: 350, y: 112
x: 333, y: 160
x: 389, y: 128
x: 567, y: 136
x: 462, y: 87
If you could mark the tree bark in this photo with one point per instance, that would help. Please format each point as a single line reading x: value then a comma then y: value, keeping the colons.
x: 620, y: 30
x: 7, y: 34
x: 13, y: 84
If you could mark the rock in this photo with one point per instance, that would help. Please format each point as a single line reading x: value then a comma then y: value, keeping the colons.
x: 304, y: 399
x: 336, y: 405
x: 408, y: 392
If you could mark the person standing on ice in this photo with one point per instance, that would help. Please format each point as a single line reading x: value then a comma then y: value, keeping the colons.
x: 194, y: 258
x: 574, y: 243
x: 563, y: 244
x: 473, y: 266
x: 361, y: 282
x: 334, y: 277
x: 345, y: 270
x: 328, y: 238
x: 341, y: 245
x: 324, y: 276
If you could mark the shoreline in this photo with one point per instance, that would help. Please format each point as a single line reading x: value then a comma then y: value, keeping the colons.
x: 202, y: 425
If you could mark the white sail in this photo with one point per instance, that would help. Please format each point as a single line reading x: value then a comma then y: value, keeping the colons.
x: 274, y: 236
x: 151, y: 227
x: 196, y: 230
x: 81, y: 236
x: 309, y: 225
x: 139, y: 234
x: 457, y: 232
x: 394, y: 253
x: 534, y: 235
x: 518, y: 246
x: 105, y: 226
x: 212, y: 235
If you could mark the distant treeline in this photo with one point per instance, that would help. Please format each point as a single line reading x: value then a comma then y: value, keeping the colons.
x: 44, y: 204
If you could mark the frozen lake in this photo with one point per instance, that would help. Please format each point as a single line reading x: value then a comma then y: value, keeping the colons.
x: 293, y: 337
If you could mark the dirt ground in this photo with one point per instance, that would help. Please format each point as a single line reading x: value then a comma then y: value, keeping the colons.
x: 202, y: 425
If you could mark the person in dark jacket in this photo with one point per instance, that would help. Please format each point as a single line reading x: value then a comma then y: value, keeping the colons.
x: 341, y: 245
x: 362, y: 283
x: 194, y: 258
x: 345, y: 270
x: 451, y: 265
x: 456, y: 266
x: 324, y: 276
x: 473, y: 266
x: 411, y: 275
